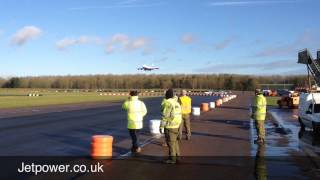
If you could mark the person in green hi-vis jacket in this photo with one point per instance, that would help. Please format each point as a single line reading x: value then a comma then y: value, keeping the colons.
x: 136, y: 110
x: 259, y: 111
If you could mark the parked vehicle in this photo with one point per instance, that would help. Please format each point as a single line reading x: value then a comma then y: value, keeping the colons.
x: 282, y: 92
x: 309, y: 112
x: 274, y: 93
x: 309, y: 108
x: 289, y: 99
x: 266, y: 92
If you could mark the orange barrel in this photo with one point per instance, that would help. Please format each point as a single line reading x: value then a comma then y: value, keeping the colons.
x: 205, y: 107
x: 101, y: 147
x: 218, y: 102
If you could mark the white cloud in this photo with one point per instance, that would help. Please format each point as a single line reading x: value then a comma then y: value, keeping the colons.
x: 123, y: 42
x: 249, y: 3
x: 127, y: 2
x: 117, y: 42
x: 147, y: 51
x: 170, y: 50
x: 137, y: 43
x: 25, y: 34
x: 258, y: 41
x: 109, y: 49
x: 120, y: 38
x: 119, y: 5
x: 67, y: 42
x: 188, y: 38
x: 288, y: 66
x: 225, y: 43
x: 307, y: 38
x: 263, y: 66
x: 276, y: 51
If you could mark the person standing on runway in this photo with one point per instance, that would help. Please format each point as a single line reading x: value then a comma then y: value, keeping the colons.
x: 170, y: 123
x: 259, y: 111
x: 136, y: 110
x: 185, y: 102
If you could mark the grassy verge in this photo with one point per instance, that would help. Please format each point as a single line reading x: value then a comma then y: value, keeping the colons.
x: 54, y: 99
x: 272, y: 101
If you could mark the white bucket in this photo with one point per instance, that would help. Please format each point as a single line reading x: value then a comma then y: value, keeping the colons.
x: 196, y: 111
x: 154, y: 126
x: 212, y: 105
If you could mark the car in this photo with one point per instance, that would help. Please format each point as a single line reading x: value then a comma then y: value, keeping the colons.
x: 282, y: 92
x: 266, y: 92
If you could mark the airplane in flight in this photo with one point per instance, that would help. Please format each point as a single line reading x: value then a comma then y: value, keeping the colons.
x: 148, y: 68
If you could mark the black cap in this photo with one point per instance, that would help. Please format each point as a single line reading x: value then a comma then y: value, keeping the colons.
x: 134, y: 93
x: 169, y: 93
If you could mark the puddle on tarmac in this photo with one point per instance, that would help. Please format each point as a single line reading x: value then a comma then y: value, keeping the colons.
x: 282, y: 142
x: 282, y: 136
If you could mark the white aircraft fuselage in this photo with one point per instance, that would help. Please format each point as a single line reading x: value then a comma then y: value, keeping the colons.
x: 147, y: 68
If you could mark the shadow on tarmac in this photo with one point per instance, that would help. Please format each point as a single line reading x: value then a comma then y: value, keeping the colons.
x: 234, y: 107
x: 219, y: 136
x: 240, y: 123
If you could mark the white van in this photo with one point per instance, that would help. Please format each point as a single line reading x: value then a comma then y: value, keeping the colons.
x: 309, y: 112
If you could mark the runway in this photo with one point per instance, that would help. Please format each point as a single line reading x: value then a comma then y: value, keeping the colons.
x: 221, y: 145
x: 68, y: 133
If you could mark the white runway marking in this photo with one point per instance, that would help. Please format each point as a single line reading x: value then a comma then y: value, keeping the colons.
x: 146, y: 142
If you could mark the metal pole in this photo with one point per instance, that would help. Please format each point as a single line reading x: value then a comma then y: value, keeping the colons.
x: 309, y: 81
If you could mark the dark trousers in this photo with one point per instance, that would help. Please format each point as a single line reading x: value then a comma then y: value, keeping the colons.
x: 172, y: 141
x: 134, y: 134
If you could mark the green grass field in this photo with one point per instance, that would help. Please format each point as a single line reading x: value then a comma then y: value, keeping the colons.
x: 272, y: 101
x: 15, y: 98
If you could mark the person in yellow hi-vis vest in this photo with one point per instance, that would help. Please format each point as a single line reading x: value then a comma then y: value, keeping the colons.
x: 259, y: 111
x: 136, y: 110
x: 185, y: 102
x: 170, y: 123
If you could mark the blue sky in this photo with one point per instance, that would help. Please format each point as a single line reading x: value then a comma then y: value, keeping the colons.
x: 74, y: 37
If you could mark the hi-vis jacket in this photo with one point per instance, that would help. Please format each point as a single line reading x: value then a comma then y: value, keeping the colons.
x: 259, y: 108
x: 171, y: 114
x: 185, y: 102
x: 136, y: 111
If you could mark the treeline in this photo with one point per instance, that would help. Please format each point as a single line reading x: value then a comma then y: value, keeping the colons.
x: 211, y: 81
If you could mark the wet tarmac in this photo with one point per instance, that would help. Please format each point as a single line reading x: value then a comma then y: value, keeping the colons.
x: 287, y: 151
x: 222, y: 145
x: 298, y: 140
